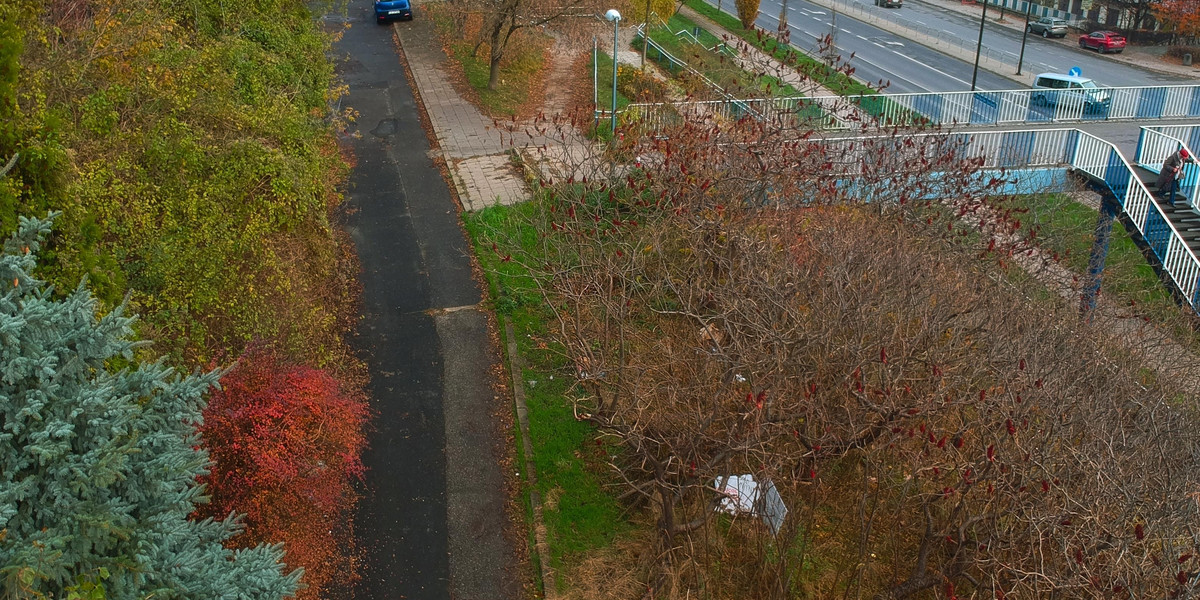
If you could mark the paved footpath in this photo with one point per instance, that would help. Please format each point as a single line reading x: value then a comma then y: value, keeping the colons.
x: 432, y: 520
x: 474, y: 149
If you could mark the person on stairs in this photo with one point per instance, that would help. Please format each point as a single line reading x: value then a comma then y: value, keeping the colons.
x: 1168, y: 177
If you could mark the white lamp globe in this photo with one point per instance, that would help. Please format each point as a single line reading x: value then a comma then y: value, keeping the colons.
x: 612, y: 15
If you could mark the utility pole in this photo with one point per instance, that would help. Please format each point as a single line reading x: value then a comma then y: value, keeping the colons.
x: 979, y: 46
x: 783, y: 24
x: 1024, y: 36
x: 833, y: 28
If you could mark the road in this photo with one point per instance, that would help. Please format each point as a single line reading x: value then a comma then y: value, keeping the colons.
x: 1040, y: 55
x: 430, y: 523
x: 908, y: 66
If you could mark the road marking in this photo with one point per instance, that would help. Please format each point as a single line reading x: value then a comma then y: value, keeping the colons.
x: 939, y: 71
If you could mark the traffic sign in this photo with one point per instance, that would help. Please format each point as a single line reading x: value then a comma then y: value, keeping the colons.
x: 1075, y: 72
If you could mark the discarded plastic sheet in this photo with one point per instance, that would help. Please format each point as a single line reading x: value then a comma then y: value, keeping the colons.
x: 744, y: 495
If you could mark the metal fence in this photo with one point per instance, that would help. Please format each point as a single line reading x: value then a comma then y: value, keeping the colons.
x: 1008, y: 107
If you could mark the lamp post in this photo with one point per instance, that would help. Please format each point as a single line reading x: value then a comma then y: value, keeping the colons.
x: 979, y: 45
x: 615, y: 17
x: 1024, y: 36
x: 645, y: 34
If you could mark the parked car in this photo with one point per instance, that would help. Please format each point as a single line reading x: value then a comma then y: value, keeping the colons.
x: 1048, y: 26
x: 390, y: 10
x: 1054, y: 89
x: 1103, y: 41
x: 889, y: 3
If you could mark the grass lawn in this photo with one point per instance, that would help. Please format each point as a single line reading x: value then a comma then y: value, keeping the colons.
x: 715, y: 65
x: 604, y: 73
x: 579, y: 513
x: 1067, y: 228
x: 521, y: 70
x: 836, y: 81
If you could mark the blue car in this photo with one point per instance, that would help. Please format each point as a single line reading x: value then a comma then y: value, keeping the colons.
x: 390, y: 10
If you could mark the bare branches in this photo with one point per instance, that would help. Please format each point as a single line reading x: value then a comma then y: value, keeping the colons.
x: 841, y: 317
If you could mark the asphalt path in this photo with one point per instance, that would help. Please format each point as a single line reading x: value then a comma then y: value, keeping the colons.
x: 432, y: 483
x: 907, y: 66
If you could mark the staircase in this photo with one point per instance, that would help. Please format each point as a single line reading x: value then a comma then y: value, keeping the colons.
x: 1183, y: 217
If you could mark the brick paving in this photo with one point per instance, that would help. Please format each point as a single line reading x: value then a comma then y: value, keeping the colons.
x: 475, y: 151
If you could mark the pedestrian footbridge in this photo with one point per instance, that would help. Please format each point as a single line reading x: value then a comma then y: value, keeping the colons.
x: 1127, y: 184
x: 1008, y: 108
x: 1019, y: 134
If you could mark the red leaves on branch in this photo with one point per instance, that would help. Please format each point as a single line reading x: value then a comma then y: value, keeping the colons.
x: 285, y: 441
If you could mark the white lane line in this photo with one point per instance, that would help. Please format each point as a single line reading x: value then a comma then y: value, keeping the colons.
x: 939, y: 71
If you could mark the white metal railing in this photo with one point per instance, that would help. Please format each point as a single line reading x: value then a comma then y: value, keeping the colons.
x: 738, y: 103
x: 1156, y: 143
x: 1003, y: 107
x: 1046, y: 148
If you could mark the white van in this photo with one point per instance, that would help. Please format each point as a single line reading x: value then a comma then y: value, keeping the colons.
x: 1054, y: 89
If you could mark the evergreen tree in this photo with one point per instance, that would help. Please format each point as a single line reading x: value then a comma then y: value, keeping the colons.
x: 99, y: 458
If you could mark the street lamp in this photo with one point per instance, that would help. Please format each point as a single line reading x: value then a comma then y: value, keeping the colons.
x: 979, y: 45
x: 615, y: 17
x: 1024, y: 36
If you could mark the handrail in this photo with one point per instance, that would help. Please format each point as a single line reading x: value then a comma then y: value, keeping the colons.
x: 740, y: 103
x: 718, y: 47
x: 1159, y: 146
x: 1013, y: 107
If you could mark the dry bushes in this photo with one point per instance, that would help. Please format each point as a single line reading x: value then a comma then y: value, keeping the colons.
x: 933, y: 427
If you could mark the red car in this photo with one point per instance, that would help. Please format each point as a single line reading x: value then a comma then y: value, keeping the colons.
x: 1103, y: 41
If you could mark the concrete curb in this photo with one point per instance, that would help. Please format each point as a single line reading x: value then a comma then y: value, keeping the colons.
x: 535, y: 499
x: 459, y: 191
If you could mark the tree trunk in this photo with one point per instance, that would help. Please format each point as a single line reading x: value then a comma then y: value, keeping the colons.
x: 494, y: 55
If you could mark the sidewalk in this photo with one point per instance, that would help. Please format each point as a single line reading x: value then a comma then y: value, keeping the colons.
x: 476, y: 152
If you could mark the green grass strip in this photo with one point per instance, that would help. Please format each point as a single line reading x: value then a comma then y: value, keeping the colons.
x: 580, y: 515
x: 834, y: 80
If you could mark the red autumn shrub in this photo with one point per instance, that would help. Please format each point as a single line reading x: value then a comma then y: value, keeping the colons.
x: 285, y: 441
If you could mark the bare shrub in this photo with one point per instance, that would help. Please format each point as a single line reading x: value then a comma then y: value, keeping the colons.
x: 838, y: 316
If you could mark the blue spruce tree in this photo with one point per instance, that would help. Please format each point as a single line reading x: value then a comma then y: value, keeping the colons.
x: 99, y: 458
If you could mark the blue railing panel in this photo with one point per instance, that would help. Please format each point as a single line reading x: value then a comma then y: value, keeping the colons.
x: 1016, y: 148
x: 1194, y: 107
x: 1157, y: 234
x: 1150, y: 103
x: 985, y: 108
x: 1117, y: 175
